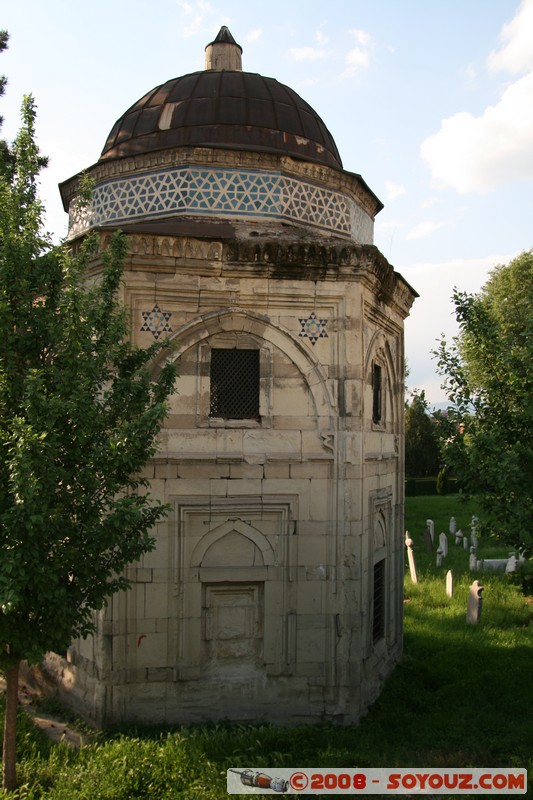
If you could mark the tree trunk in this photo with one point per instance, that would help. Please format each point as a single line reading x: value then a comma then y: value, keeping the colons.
x: 9, y: 751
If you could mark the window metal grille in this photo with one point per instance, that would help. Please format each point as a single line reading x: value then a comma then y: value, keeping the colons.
x: 376, y: 393
x: 234, y: 384
x: 378, y: 622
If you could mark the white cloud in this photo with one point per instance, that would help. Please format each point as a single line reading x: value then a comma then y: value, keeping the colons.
x: 361, y: 37
x: 516, y: 53
x: 424, y: 229
x: 253, y: 36
x: 321, y: 38
x: 393, y: 190
x: 306, y: 53
x: 433, y: 312
x: 198, y: 16
x: 470, y: 77
x: 358, y: 58
x: 477, y: 154
x: 429, y: 202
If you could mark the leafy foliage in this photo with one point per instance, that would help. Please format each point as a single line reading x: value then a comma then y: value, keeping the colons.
x: 6, y: 157
x: 488, y: 373
x: 421, y: 443
x: 79, y: 414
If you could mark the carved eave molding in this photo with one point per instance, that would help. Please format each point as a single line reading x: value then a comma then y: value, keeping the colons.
x: 272, y: 259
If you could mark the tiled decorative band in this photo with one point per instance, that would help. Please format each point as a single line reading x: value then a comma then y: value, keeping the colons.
x: 224, y: 193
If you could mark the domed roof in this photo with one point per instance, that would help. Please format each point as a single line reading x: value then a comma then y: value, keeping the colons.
x: 225, y: 109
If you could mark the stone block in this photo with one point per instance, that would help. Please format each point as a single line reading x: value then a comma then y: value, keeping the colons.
x: 310, y: 469
x: 273, y: 469
x: 310, y: 598
x: 210, y: 469
x: 312, y: 549
x: 310, y: 647
x: 246, y: 471
x: 151, y: 650
x: 242, y: 487
x: 319, y: 507
x: 143, y: 575
x: 156, y: 601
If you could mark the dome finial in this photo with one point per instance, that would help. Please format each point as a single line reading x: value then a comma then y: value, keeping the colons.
x: 223, y: 52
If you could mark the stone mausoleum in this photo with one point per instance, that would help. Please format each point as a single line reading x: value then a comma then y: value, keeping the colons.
x: 275, y: 589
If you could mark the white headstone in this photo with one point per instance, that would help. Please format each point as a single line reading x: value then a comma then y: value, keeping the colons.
x: 475, y: 602
x: 449, y: 583
x: 411, y: 557
x: 458, y: 536
x: 473, y: 534
x: 438, y: 561
x: 511, y: 564
x: 453, y: 525
x: 431, y: 529
x: 473, y: 559
x: 465, y: 542
x: 443, y: 544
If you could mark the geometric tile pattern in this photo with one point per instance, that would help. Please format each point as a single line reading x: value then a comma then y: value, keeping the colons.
x: 224, y: 193
x: 313, y: 328
x: 156, y: 321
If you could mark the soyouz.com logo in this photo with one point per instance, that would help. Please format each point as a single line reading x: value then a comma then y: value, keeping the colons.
x: 378, y: 781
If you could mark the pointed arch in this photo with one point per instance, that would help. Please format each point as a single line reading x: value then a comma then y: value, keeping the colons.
x: 243, y: 529
x: 248, y: 323
x: 379, y: 353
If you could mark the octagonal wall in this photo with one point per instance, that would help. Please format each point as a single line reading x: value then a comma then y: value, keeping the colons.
x: 275, y: 589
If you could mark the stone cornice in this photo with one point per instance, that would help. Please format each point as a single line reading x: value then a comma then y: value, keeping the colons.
x: 273, y: 259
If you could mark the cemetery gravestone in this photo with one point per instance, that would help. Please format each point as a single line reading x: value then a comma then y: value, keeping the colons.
x: 449, y: 583
x: 443, y: 544
x: 411, y: 557
x: 475, y: 602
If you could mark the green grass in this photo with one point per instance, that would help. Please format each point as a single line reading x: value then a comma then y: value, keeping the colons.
x: 462, y: 696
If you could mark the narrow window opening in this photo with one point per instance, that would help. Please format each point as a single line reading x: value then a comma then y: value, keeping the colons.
x: 378, y: 622
x: 234, y: 392
x: 376, y: 393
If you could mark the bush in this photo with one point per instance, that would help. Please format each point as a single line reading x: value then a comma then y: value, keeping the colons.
x: 443, y: 483
x: 430, y: 486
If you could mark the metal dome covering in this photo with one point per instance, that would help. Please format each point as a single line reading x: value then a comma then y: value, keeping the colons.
x: 223, y: 109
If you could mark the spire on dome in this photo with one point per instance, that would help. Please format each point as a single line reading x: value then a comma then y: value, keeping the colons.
x: 223, y: 52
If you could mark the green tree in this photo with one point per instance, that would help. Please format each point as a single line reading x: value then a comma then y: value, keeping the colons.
x: 421, y: 444
x: 80, y: 410
x: 6, y: 157
x: 488, y: 371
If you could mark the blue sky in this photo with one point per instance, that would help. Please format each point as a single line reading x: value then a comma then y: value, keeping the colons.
x: 431, y: 102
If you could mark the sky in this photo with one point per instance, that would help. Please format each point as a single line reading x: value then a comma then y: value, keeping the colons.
x: 430, y: 101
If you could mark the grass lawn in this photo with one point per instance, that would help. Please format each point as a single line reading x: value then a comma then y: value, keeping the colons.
x: 462, y: 696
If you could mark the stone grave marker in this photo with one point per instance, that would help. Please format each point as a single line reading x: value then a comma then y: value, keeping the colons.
x: 443, y: 544
x: 475, y: 603
x: 465, y: 542
x: 452, y: 526
x: 438, y: 561
x: 459, y: 536
x: 473, y: 559
x: 449, y: 583
x: 428, y: 541
x: 411, y: 557
x: 511, y: 564
x: 431, y: 529
x: 473, y: 531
